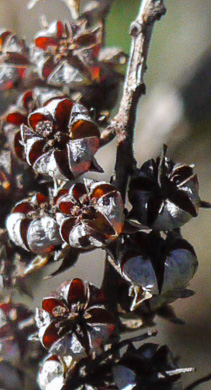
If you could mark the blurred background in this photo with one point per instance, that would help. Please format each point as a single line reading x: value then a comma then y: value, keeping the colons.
x: 175, y: 110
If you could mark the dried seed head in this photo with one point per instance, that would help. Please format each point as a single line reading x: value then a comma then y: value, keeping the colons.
x: 65, y: 53
x: 90, y: 214
x: 158, y: 269
x: 71, y: 55
x: 73, y: 320
x: 61, y: 140
x: 17, y: 115
x: 164, y: 195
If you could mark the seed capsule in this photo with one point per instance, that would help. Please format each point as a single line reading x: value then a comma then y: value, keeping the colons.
x: 17, y: 115
x: 91, y: 214
x: 32, y: 227
x: 158, y: 269
x: 61, y: 140
x: 164, y: 195
x: 74, y: 321
x: 64, y: 54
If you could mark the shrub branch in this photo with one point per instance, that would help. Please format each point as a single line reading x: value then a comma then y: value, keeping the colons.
x: 123, y: 123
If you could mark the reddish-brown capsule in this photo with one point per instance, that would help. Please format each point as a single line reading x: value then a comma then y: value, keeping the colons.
x: 32, y: 226
x: 64, y: 54
x: 90, y: 214
x: 73, y: 320
x: 17, y: 115
x: 61, y: 140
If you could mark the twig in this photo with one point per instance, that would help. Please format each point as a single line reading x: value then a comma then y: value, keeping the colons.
x: 177, y: 371
x: 126, y: 342
x: 116, y: 347
x: 198, y: 382
x: 134, y: 87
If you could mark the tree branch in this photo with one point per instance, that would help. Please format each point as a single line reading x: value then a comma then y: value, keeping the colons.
x: 198, y: 382
x: 134, y: 87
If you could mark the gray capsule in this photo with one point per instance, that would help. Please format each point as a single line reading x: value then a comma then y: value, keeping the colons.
x: 43, y: 235
x: 180, y: 266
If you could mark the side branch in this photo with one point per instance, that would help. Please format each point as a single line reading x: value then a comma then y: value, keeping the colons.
x: 134, y: 87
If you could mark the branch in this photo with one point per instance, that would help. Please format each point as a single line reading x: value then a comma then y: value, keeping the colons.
x: 134, y: 87
x: 141, y: 32
x: 198, y: 382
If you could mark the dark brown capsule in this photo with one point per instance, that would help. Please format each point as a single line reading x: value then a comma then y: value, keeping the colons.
x: 164, y: 195
x: 158, y: 269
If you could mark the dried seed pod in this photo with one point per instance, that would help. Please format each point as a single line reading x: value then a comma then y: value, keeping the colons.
x: 158, y: 269
x: 61, y: 140
x: 91, y: 214
x: 149, y: 367
x: 14, y: 60
x: 72, y: 55
x: 17, y: 115
x: 64, y: 53
x: 73, y: 320
x: 16, y: 324
x: 32, y: 225
x: 164, y: 195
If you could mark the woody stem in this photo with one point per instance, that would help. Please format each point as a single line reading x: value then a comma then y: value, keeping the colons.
x: 124, y: 122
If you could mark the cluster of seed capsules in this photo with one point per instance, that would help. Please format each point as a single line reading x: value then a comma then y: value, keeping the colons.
x: 49, y: 139
x: 69, y: 55
x: 60, y: 140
